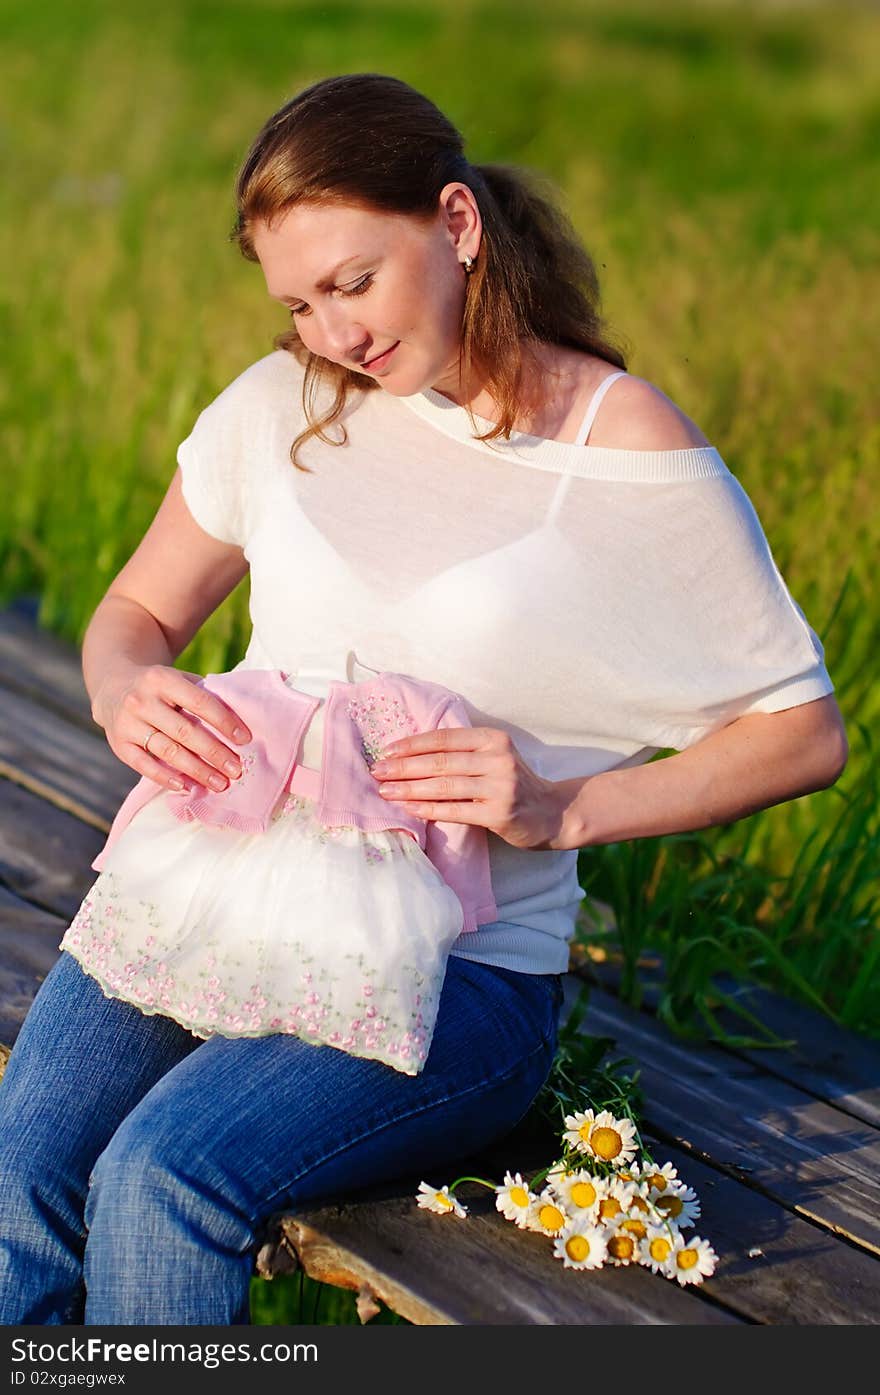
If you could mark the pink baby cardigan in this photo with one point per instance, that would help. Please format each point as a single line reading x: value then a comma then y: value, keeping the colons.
x: 360, y: 719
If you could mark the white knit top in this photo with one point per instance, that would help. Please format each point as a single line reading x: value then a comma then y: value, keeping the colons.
x: 598, y: 604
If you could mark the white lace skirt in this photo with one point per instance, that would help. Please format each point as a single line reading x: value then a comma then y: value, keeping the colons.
x: 335, y: 935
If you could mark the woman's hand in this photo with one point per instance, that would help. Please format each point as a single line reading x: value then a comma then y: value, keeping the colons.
x: 137, y: 699
x: 474, y: 775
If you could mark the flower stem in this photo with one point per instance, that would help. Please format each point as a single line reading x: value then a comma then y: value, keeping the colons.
x: 482, y: 1181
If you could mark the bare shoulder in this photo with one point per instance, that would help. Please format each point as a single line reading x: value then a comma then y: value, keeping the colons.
x: 636, y: 415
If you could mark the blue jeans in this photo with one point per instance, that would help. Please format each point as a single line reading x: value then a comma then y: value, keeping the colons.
x: 140, y: 1165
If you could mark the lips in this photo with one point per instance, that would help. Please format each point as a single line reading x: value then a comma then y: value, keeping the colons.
x: 381, y: 359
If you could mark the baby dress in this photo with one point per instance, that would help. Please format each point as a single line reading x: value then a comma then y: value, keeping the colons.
x: 333, y: 934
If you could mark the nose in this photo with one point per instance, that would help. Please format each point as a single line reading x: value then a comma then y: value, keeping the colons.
x: 341, y: 334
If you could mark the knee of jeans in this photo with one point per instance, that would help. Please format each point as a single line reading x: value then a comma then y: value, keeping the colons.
x: 134, y: 1164
x: 145, y: 1176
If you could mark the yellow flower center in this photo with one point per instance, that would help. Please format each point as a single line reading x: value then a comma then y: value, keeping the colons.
x: 606, y: 1143
x: 635, y: 1228
x: 519, y: 1196
x: 672, y: 1205
x: 686, y: 1259
x: 658, y: 1181
x: 551, y: 1217
x: 660, y: 1249
x: 583, y: 1194
x: 621, y: 1247
x: 638, y: 1204
x: 443, y: 1201
x: 577, y: 1247
x: 609, y: 1208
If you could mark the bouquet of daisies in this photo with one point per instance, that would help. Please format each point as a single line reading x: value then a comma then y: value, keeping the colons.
x: 604, y: 1200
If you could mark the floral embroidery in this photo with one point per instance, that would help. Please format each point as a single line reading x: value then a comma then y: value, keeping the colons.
x: 248, y: 760
x: 379, y: 721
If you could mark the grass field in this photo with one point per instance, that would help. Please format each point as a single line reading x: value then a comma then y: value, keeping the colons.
x: 721, y: 162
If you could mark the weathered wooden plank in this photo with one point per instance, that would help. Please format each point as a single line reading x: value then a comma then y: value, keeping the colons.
x: 774, y: 1267
x: 45, y: 853
x: 827, y: 1060
x: 38, y: 665
x: 480, y: 1272
x: 62, y: 763
x: 29, y: 940
x: 801, y: 1151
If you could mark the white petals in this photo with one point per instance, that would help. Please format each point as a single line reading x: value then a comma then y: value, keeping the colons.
x: 439, y: 1200
x: 514, y: 1199
x: 581, y: 1246
x: 693, y: 1260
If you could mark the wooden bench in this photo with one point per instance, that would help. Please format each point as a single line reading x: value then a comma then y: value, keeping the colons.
x: 782, y: 1146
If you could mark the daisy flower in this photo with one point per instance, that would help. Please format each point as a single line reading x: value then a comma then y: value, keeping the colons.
x: 634, y: 1226
x: 623, y: 1247
x: 432, y: 1199
x: 546, y: 1214
x: 613, y: 1140
x: 678, y: 1203
x: 659, y: 1179
x: 513, y: 1199
x: 577, y: 1129
x: 614, y: 1199
x: 581, y: 1246
x: 641, y: 1201
x: 656, y: 1250
x: 692, y: 1261
x: 578, y: 1191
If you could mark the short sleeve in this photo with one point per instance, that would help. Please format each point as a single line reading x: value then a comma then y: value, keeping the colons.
x: 238, y: 440
x: 214, y: 496
x: 737, y: 640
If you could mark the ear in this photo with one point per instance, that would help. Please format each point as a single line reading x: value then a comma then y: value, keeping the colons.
x: 461, y: 219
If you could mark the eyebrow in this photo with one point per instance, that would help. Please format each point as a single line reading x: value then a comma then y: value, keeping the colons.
x: 326, y: 282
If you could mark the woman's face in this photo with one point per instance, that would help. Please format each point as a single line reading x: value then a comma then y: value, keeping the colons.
x: 361, y: 283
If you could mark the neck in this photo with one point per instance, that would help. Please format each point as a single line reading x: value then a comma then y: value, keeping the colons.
x: 546, y: 388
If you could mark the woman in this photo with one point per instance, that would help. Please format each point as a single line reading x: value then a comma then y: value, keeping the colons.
x: 409, y: 480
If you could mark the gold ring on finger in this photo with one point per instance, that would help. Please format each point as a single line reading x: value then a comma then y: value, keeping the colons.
x: 148, y: 738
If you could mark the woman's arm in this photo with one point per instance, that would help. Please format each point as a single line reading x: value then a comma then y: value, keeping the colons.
x: 476, y: 775
x: 751, y: 764
x: 176, y: 578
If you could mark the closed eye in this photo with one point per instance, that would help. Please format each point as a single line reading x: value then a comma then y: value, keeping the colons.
x: 359, y: 288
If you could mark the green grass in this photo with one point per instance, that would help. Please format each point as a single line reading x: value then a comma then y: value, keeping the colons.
x: 297, y: 1300
x: 722, y: 162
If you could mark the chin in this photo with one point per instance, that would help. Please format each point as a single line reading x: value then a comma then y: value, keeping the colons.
x: 401, y: 388
x: 403, y: 383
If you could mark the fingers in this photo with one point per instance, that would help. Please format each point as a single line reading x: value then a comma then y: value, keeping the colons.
x: 417, y: 767
x: 210, y: 709
x: 191, y: 752
x: 181, y: 745
x: 443, y: 739
x: 448, y: 788
x: 176, y: 688
x: 451, y: 812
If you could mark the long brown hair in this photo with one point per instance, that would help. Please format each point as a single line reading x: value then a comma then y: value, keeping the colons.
x: 374, y: 141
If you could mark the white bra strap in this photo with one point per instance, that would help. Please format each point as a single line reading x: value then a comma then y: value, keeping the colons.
x: 595, y: 402
x: 555, y: 504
